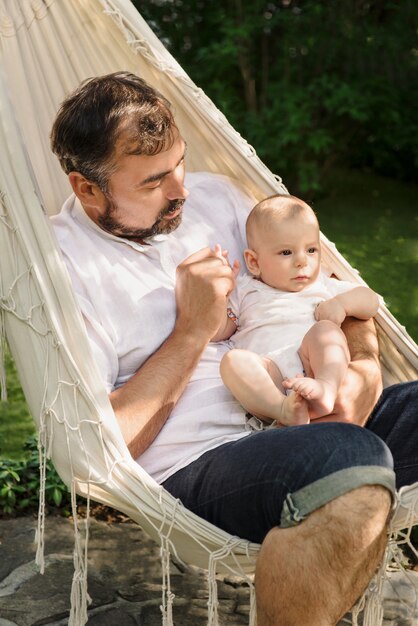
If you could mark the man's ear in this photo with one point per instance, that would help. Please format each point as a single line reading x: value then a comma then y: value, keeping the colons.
x: 251, y: 261
x: 91, y: 197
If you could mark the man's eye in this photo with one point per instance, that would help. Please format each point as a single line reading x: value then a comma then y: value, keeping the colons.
x: 286, y: 252
x: 154, y: 186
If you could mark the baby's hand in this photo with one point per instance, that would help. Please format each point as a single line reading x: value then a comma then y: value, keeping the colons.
x: 223, y: 255
x: 331, y: 310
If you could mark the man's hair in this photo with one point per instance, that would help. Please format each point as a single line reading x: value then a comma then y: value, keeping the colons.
x: 279, y: 206
x: 91, y: 120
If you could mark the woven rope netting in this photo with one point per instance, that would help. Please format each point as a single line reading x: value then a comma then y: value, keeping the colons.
x: 47, y: 48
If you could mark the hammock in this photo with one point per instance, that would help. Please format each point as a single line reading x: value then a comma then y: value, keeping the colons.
x: 47, y: 47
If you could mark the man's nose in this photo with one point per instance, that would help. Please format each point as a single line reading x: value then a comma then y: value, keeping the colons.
x: 175, y: 189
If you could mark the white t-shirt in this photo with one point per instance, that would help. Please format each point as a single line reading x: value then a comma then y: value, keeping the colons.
x: 273, y: 322
x: 126, y: 294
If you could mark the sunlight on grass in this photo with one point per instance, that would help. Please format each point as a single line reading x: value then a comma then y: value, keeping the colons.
x: 16, y: 423
x: 373, y: 222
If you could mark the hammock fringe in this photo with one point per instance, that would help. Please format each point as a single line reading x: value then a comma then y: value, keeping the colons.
x: 80, y: 598
x: 76, y: 424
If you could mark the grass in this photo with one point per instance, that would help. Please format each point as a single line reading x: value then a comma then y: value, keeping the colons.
x: 16, y: 424
x: 374, y: 223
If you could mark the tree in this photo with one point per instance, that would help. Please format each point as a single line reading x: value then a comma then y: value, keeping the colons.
x: 310, y: 83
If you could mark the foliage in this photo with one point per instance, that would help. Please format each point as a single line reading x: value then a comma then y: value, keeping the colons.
x: 310, y: 83
x: 20, y: 484
x: 16, y: 423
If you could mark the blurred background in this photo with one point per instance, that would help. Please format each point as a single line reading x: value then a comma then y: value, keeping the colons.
x: 327, y: 94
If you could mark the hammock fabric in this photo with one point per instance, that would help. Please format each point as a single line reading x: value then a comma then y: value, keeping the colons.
x: 47, y: 47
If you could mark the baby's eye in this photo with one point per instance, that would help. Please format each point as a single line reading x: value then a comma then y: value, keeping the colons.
x: 285, y: 252
x: 312, y: 250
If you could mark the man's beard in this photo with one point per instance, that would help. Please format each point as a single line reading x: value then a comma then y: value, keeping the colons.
x: 110, y: 224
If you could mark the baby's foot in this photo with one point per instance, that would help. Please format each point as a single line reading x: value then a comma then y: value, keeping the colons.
x: 294, y: 410
x: 319, y: 393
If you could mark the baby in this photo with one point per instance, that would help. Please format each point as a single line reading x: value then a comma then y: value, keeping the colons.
x: 284, y: 320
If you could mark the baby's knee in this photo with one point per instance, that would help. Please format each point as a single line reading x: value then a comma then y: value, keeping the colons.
x: 324, y: 332
x: 234, y: 360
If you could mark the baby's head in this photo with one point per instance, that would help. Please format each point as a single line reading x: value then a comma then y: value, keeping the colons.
x: 283, y: 243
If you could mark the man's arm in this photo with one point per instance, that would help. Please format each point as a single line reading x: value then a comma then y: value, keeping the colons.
x: 362, y: 385
x: 144, y: 403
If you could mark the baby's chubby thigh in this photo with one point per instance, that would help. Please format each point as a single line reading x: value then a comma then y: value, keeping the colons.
x: 242, y: 365
x: 324, y: 339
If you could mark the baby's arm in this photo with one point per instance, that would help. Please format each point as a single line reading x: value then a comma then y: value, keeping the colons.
x: 360, y: 302
x: 226, y: 330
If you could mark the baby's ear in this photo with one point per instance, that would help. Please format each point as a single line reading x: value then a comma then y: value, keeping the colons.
x: 251, y: 261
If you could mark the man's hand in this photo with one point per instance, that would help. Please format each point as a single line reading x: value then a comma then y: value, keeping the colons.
x: 359, y: 392
x: 332, y: 310
x: 362, y: 385
x: 204, y: 281
x: 143, y: 404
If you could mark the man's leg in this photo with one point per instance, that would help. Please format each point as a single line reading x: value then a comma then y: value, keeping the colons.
x: 316, y: 497
x: 395, y: 420
x: 312, y: 574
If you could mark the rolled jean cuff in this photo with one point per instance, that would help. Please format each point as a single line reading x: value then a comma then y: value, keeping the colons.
x: 298, y: 505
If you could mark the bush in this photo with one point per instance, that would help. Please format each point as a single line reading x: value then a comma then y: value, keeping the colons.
x: 312, y: 84
x: 20, y: 485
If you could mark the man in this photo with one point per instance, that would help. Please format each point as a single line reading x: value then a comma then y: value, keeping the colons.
x: 152, y: 293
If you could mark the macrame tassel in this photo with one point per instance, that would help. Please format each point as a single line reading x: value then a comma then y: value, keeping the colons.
x: 40, y: 532
x: 354, y: 618
x: 213, y: 602
x: 3, y: 386
x: 80, y: 598
x: 358, y: 609
x: 373, y: 611
x: 167, y: 595
x: 253, y: 607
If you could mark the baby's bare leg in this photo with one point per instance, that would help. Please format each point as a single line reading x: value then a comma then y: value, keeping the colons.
x: 325, y: 355
x: 256, y: 383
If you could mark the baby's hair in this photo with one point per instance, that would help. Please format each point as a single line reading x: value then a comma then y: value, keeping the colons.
x: 280, y: 206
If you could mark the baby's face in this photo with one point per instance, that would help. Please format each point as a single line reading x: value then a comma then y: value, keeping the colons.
x: 289, y: 257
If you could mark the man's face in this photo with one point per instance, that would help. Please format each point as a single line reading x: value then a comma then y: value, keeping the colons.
x: 145, y: 194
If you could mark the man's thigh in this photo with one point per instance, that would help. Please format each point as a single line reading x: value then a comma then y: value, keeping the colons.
x: 277, y: 477
x: 395, y: 420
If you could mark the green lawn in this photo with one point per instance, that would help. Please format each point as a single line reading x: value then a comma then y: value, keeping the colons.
x: 16, y: 424
x: 374, y: 223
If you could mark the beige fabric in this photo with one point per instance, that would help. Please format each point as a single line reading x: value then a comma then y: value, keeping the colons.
x: 46, y: 48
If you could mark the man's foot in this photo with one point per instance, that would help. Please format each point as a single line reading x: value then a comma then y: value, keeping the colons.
x: 293, y: 411
x: 320, y: 394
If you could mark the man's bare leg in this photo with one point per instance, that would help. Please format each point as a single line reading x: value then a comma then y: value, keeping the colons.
x: 325, y: 357
x: 313, y: 573
x: 255, y: 382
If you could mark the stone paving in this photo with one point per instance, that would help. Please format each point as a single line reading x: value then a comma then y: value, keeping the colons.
x: 124, y: 581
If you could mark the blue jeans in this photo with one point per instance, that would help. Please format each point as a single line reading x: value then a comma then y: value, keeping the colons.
x: 277, y: 477
x: 395, y: 420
